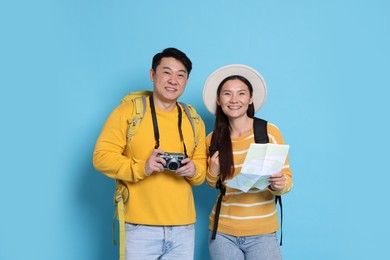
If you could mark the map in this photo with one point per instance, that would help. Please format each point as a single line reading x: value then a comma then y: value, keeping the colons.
x: 260, y: 163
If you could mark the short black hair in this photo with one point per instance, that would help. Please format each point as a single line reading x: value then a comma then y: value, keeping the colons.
x: 172, y: 53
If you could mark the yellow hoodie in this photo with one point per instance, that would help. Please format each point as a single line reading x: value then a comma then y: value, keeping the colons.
x: 161, y: 198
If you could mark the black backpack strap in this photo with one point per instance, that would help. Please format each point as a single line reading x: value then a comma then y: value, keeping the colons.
x: 222, y: 191
x: 279, y: 199
x: 260, y: 130
x: 261, y: 137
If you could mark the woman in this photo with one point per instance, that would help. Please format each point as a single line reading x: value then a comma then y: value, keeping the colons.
x: 248, y: 221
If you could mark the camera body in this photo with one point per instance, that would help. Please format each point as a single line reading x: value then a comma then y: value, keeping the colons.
x: 173, y: 160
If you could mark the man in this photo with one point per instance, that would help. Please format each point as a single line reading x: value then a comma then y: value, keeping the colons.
x: 160, y: 211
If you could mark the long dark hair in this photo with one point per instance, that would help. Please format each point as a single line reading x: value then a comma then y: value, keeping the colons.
x: 221, y: 134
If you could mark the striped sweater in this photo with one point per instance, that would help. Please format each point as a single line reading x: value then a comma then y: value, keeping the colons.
x: 253, y: 212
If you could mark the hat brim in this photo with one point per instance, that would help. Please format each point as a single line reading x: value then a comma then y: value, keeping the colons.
x: 211, y: 85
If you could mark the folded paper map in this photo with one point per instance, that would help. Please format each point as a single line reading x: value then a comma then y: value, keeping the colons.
x: 262, y: 160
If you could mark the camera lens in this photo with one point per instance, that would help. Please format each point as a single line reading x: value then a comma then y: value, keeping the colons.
x: 173, y: 166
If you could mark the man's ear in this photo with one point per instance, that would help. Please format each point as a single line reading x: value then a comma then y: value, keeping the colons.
x: 151, y: 74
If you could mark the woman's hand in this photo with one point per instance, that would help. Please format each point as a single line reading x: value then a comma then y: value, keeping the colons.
x: 213, y: 164
x: 277, y: 181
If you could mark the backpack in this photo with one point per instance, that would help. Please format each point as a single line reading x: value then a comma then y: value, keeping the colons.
x: 121, y: 194
x: 261, y: 136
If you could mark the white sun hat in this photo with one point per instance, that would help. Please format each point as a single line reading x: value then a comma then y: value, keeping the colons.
x: 254, y: 77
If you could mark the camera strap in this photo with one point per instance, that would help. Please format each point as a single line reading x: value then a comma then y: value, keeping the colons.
x: 155, y: 125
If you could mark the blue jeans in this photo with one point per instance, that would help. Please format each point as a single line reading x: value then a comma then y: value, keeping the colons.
x: 159, y: 242
x: 261, y: 247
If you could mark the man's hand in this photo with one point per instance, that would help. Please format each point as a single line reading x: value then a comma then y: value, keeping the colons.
x: 188, y: 169
x: 154, y: 162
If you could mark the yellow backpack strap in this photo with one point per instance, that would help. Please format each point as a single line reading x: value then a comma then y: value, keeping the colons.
x: 121, y: 194
x: 139, y: 107
x: 120, y: 198
x: 194, y: 120
x: 136, y: 117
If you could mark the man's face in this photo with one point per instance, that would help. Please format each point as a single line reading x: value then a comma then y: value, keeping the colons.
x: 169, y: 79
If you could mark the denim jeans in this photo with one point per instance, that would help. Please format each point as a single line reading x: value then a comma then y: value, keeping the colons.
x: 159, y: 242
x: 261, y: 247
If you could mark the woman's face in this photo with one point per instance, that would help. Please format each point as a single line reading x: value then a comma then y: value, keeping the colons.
x: 234, y: 98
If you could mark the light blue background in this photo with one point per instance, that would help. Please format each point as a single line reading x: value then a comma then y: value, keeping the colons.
x: 64, y: 65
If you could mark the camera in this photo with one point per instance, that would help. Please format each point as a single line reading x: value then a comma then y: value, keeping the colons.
x: 173, y: 160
